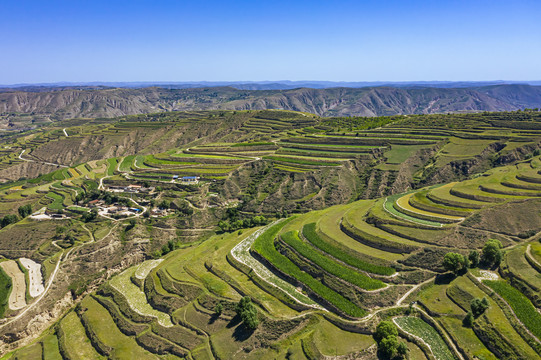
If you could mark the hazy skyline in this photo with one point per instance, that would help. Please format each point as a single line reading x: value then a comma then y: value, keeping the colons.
x: 417, y: 40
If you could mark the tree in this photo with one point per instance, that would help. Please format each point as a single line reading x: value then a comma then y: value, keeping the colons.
x: 474, y: 258
x: 479, y: 306
x: 25, y: 210
x: 219, y: 308
x: 248, y: 313
x: 131, y: 224
x: 164, y: 204
x: 492, y: 254
x: 402, y: 350
x: 90, y: 215
x: 9, y: 219
x: 454, y: 262
x: 385, y: 329
x: 468, y: 320
x: 388, y: 346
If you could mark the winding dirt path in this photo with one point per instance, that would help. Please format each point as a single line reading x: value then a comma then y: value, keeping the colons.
x: 399, y: 302
x: 41, y: 162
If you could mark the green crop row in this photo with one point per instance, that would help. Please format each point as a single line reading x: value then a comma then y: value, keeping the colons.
x: 309, y: 232
x: 318, y: 153
x: 261, y: 143
x: 520, y: 304
x: 264, y: 246
x: 364, y: 282
x: 388, y: 205
x: 419, y: 200
x: 296, y: 160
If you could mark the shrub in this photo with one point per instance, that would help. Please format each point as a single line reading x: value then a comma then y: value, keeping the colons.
x: 479, y: 306
x: 218, y: 309
x: 468, y: 320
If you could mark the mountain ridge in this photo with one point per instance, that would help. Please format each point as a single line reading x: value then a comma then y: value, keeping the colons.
x: 339, y: 101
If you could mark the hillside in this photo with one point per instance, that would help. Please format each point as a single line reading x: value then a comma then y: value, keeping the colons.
x: 138, y: 236
x: 22, y: 109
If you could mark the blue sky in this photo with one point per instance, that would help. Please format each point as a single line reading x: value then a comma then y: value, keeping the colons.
x: 176, y: 40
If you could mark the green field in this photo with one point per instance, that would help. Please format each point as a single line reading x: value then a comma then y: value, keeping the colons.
x: 522, y: 307
x: 5, y: 291
x: 420, y: 328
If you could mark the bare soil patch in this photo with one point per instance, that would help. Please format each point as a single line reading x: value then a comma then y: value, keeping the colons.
x: 35, y: 287
x: 17, y: 298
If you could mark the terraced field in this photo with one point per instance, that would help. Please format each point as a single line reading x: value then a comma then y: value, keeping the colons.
x: 319, y: 281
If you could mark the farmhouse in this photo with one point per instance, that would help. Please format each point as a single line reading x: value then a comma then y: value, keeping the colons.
x: 190, y: 178
x: 133, y: 188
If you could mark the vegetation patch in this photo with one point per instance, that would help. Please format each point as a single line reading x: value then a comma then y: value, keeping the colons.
x: 364, y: 282
x: 521, y: 305
x: 264, y: 245
x: 310, y: 233
x: 417, y: 327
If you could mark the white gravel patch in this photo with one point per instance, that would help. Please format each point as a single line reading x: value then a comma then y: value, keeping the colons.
x: 40, y: 217
x: 487, y: 275
x: 35, y: 287
x: 145, y: 268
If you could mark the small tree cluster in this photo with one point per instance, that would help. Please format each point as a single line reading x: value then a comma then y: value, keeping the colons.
x: 474, y: 258
x: 479, y: 306
x: 455, y: 262
x: 492, y: 253
x: 90, y: 215
x: 25, y: 210
x: 248, y: 313
x: 386, y: 337
x: 166, y: 249
x: 8, y: 219
x: 256, y: 220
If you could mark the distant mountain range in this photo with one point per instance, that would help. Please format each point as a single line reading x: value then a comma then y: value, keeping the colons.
x: 263, y: 85
x: 96, y: 101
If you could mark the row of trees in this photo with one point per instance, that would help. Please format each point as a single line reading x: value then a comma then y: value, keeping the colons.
x: 227, y: 226
x: 491, y: 255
